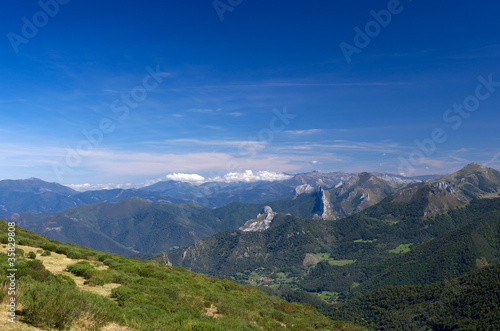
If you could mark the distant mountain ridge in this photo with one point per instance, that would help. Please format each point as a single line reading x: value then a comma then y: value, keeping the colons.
x: 116, y: 224
x: 474, y: 181
x: 37, y: 196
x: 135, y: 225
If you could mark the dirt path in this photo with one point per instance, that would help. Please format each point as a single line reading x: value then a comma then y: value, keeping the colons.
x: 56, y: 264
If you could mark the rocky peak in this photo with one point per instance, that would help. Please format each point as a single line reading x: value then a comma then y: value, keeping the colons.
x: 261, y: 223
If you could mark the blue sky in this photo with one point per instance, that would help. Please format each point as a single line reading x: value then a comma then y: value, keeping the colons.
x: 217, y: 103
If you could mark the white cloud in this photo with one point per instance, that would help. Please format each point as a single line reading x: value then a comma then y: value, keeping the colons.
x: 249, y: 176
x: 190, y: 178
x: 94, y: 187
x: 116, y: 164
x: 303, y: 132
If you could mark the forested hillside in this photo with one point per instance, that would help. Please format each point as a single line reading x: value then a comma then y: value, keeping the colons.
x: 389, y: 243
x: 471, y: 302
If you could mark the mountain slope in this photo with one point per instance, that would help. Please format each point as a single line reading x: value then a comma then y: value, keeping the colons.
x: 474, y: 244
x: 147, y: 295
x: 471, y: 302
x: 458, y: 189
x: 37, y: 196
x: 34, y: 195
x: 358, y: 192
x: 135, y: 225
x: 34, y: 185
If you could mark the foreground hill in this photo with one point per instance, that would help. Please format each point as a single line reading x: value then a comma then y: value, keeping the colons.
x: 147, y: 295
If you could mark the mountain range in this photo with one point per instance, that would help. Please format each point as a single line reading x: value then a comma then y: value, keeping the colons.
x: 37, y: 196
x: 146, y: 224
x: 343, y: 255
x: 348, y: 244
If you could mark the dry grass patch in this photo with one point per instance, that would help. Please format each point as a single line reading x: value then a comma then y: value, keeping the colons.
x: 57, y: 263
x: 212, y: 312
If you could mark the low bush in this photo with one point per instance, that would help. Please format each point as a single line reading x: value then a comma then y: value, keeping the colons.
x: 65, y: 279
x: 94, y: 281
x: 57, y: 305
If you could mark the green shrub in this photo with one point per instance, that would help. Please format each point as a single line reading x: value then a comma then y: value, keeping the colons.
x: 147, y: 317
x: 119, y: 276
x: 56, y: 305
x: 19, y: 252
x: 61, y: 249
x: 31, y: 255
x: 105, y: 256
x: 83, y: 269
x: 65, y: 279
x: 75, y: 254
x: 45, y: 253
x: 48, y: 246
x: 26, y: 241
x: 2, y: 295
x: 122, y: 294
x: 94, y: 281
x: 204, y: 326
x: 109, y: 262
x: 32, y: 268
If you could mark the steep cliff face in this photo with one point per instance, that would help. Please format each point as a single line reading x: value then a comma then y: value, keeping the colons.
x: 326, y: 206
x: 357, y: 193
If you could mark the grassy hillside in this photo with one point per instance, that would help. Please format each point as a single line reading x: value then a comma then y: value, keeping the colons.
x: 145, y: 295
